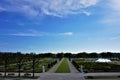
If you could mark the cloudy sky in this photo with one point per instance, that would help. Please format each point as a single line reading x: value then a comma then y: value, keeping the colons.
x: 60, y: 25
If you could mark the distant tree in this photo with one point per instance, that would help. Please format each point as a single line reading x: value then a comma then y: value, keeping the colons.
x: 68, y: 55
x: 20, y: 63
x: 103, y: 55
x: 117, y: 55
x: 73, y: 55
x: 109, y: 54
x: 48, y: 55
x: 6, y: 63
x: 82, y: 55
x: 93, y: 55
x: 60, y: 55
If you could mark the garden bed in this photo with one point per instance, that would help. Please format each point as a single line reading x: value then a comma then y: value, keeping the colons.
x: 97, y: 66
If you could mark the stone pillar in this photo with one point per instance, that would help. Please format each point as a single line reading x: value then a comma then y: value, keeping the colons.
x: 81, y: 69
x: 71, y: 59
x: 43, y: 68
x: 58, y: 60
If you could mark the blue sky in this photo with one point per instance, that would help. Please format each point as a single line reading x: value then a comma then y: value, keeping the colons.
x: 60, y: 25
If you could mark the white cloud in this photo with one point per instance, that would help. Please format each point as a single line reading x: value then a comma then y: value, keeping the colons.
x: 57, y: 8
x: 113, y: 12
x: 115, y: 5
x: 67, y: 33
x: 2, y: 9
x: 87, y: 13
x: 25, y: 34
x: 111, y: 20
x: 35, y: 33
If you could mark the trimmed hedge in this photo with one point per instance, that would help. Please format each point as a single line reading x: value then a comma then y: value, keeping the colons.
x: 97, y: 67
x: 76, y: 65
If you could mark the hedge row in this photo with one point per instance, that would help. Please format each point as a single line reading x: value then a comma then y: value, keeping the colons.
x: 51, y: 64
x: 97, y: 67
x: 76, y: 65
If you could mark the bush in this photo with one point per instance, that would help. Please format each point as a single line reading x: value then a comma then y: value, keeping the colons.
x: 90, y: 77
x: 86, y: 71
x: 11, y: 74
x: 0, y: 74
x: 76, y: 65
x: 119, y: 76
x: 97, y: 67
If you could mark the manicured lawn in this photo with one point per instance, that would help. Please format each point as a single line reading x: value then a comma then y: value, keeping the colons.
x: 64, y: 67
x: 101, y: 77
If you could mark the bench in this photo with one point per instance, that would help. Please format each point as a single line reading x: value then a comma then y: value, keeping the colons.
x: 11, y: 74
x: 27, y: 74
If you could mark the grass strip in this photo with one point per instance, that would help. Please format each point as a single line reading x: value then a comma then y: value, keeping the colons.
x: 101, y: 77
x: 63, y: 67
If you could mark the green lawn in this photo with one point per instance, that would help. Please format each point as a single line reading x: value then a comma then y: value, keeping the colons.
x: 64, y: 67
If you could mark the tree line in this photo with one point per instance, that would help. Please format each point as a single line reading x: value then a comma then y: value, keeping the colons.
x: 29, y: 56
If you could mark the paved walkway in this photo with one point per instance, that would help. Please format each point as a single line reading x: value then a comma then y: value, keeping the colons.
x: 51, y: 75
x: 72, y: 68
x: 54, y: 68
x: 61, y: 76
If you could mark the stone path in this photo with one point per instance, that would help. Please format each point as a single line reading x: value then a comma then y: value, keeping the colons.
x: 54, y: 68
x: 50, y: 75
x: 72, y: 68
x: 61, y: 76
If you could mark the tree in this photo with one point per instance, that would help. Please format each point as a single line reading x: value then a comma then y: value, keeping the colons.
x: 109, y: 55
x: 93, y: 55
x: 68, y: 55
x: 60, y: 55
x: 20, y: 63
x: 82, y: 55
x: 33, y: 61
x: 6, y: 63
x: 103, y: 55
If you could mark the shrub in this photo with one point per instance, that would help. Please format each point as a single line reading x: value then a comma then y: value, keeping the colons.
x: 86, y: 71
x: 119, y: 76
x: 97, y: 67
x: 90, y: 77
x: 0, y: 74
x: 76, y: 65
x: 11, y: 74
